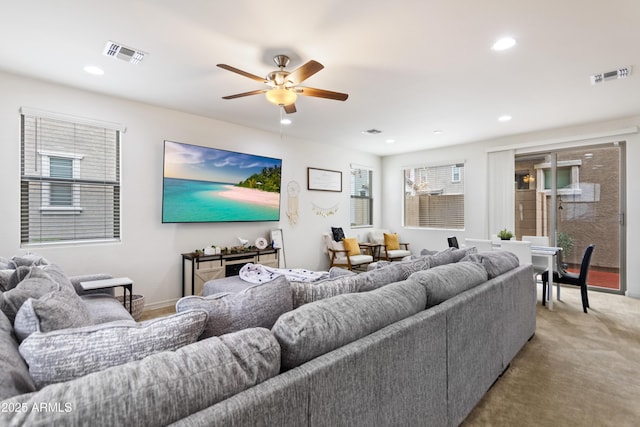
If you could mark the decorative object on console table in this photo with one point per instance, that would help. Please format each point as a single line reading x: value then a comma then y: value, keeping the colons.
x: 277, y: 242
x: 227, y: 263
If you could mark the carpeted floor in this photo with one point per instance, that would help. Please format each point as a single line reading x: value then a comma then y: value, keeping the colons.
x: 578, y: 370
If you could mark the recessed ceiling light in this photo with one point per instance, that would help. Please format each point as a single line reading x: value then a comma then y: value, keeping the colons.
x: 390, y: 141
x: 92, y: 69
x: 285, y: 121
x: 438, y: 132
x: 372, y: 131
x: 504, y: 118
x: 504, y: 43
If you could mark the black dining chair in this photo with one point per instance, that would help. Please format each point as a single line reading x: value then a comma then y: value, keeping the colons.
x: 453, y: 242
x: 575, y: 279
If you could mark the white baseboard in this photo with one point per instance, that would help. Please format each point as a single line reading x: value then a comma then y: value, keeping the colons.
x: 632, y: 294
x: 160, y: 304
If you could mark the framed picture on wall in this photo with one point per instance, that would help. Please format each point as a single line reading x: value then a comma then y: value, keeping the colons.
x: 324, y: 180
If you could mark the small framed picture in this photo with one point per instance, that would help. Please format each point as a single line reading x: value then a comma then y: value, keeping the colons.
x: 324, y: 180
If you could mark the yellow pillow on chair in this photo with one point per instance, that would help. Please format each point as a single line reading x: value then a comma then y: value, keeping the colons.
x: 391, y: 241
x: 351, y: 245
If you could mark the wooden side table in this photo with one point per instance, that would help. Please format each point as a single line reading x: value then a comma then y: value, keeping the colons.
x: 374, y: 249
x: 124, y: 282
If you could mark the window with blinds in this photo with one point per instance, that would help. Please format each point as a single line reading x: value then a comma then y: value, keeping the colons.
x: 70, y: 180
x: 361, y: 199
x: 434, y: 197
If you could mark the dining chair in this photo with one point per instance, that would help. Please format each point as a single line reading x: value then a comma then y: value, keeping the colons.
x: 575, y: 279
x: 539, y: 264
x: 482, y: 245
x: 520, y: 248
x: 453, y: 242
x: 537, y: 240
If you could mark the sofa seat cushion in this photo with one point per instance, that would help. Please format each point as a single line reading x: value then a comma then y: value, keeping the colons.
x: 355, y: 259
x: 71, y: 353
x: 14, y: 374
x: 160, y: 389
x: 495, y: 262
x: 259, y: 305
x: 317, y: 328
x: 446, y: 281
x: 398, y: 253
x: 51, y: 312
x: 104, y: 308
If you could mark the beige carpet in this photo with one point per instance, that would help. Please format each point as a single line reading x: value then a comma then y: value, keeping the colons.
x: 578, y: 370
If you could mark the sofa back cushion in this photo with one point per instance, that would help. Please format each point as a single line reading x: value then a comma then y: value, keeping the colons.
x: 259, y: 305
x: 495, y: 262
x: 14, y: 374
x: 34, y: 285
x: 160, y: 389
x: 51, y: 312
x: 71, y: 353
x: 446, y: 281
x: 322, y: 326
x: 306, y: 292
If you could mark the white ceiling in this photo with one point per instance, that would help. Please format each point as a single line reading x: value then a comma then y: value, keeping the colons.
x: 410, y: 67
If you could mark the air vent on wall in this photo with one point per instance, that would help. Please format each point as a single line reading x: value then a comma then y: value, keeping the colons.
x: 620, y: 73
x: 116, y: 50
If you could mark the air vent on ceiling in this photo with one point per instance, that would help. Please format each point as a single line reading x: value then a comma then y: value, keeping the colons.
x: 620, y: 73
x: 116, y: 50
x: 371, y: 131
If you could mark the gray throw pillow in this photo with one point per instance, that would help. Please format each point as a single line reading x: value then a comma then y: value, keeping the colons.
x: 257, y: 306
x: 495, y: 262
x: 51, y: 312
x: 14, y: 374
x: 35, y: 285
x: 71, y: 353
x: 319, y: 327
x: 446, y: 281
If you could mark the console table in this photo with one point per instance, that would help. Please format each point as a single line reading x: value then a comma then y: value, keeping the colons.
x: 125, y: 282
x: 210, y: 267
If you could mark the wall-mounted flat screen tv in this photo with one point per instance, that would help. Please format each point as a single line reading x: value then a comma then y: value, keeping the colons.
x: 203, y: 184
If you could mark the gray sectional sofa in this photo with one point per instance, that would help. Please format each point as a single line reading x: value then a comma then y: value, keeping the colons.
x: 417, y: 342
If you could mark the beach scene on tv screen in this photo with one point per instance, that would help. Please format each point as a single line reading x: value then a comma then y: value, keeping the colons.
x: 203, y: 184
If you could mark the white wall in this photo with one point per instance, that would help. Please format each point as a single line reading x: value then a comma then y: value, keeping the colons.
x: 150, y: 251
x: 475, y: 157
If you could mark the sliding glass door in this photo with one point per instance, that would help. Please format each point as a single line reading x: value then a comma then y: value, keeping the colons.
x: 583, y: 205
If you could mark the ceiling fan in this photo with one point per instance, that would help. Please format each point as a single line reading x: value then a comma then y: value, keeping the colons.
x: 283, y: 85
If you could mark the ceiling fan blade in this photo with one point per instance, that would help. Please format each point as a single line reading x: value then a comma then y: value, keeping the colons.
x: 305, y: 71
x: 321, y: 93
x: 240, y: 95
x: 289, y: 109
x: 242, y: 73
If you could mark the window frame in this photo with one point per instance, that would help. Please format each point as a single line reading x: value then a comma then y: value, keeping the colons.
x: 94, y: 215
x: 417, y: 176
x: 356, y: 194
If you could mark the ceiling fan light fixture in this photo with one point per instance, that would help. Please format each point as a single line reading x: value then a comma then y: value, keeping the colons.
x: 281, y: 96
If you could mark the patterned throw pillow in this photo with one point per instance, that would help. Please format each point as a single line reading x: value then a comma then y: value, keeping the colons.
x: 36, y: 284
x: 71, y: 353
x: 259, y: 305
x: 338, y: 233
x: 351, y: 245
x: 391, y: 242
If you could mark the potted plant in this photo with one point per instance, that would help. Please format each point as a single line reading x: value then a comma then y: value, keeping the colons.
x: 565, y: 241
x: 505, y: 234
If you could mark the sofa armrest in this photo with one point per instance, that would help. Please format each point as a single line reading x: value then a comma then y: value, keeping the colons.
x: 75, y: 281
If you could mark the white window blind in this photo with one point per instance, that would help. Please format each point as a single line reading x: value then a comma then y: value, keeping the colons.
x: 361, y: 199
x: 70, y: 180
x: 434, y: 197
